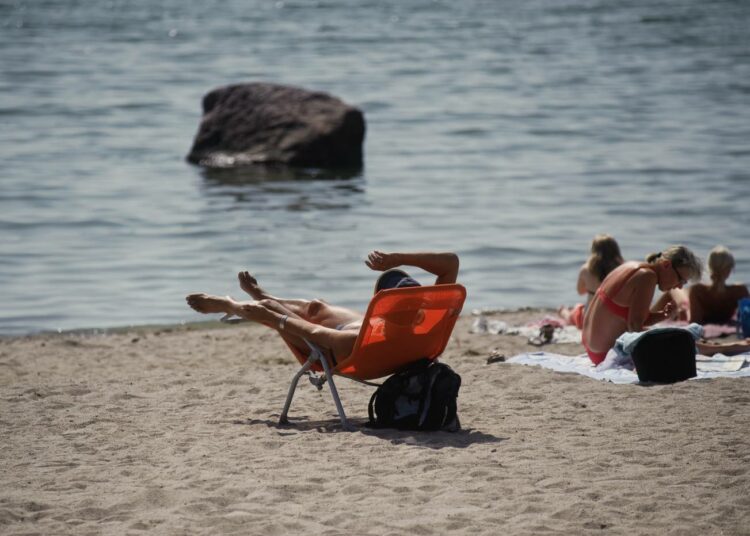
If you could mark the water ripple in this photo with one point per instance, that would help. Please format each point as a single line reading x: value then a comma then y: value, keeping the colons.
x: 509, y: 132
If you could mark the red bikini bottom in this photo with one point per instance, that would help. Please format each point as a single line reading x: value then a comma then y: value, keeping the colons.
x: 595, y: 357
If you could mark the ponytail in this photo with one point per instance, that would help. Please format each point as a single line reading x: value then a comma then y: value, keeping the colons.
x: 652, y: 258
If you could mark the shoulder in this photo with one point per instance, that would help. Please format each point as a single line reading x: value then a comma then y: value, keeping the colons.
x: 584, y: 272
x: 587, y: 277
x: 642, y: 282
x: 639, y: 280
x: 644, y: 275
x: 624, y: 268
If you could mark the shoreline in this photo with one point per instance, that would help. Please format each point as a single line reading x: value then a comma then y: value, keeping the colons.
x: 216, y: 324
x: 174, y: 430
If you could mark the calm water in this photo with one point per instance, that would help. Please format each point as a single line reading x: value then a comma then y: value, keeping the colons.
x: 510, y: 132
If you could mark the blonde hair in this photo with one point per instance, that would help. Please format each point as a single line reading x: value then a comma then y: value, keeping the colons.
x: 680, y: 257
x: 605, y: 256
x: 720, y: 259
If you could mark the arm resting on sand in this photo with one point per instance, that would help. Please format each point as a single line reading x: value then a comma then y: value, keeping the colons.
x: 443, y: 265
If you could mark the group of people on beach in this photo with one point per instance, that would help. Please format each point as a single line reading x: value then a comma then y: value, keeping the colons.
x: 620, y: 296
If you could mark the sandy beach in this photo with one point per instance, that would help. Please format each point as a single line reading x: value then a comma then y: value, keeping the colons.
x: 173, y: 431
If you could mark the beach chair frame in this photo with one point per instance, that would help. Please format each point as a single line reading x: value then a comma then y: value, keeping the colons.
x: 401, y: 326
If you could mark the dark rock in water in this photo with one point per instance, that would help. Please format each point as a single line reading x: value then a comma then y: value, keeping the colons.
x: 261, y: 123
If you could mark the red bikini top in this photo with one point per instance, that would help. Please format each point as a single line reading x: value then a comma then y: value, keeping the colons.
x: 615, y: 308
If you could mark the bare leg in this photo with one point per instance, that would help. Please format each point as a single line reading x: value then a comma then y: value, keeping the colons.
x: 341, y: 348
x: 250, y: 285
x: 315, y: 311
x: 332, y: 316
x: 564, y: 313
x: 298, y: 342
x: 208, y: 303
x: 258, y: 312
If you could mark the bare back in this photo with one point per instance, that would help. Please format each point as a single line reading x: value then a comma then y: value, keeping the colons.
x: 622, y: 300
x: 710, y: 305
x: 587, y: 282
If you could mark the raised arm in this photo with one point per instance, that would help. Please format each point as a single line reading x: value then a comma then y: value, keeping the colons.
x: 443, y: 265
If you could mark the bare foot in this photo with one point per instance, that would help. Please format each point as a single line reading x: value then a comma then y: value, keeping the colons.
x: 207, y: 303
x: 253, y: 311
x: 250, y: 285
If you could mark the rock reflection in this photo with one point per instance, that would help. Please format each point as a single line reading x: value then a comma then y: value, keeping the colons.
x: 257, y: 174
x: 286, y: 188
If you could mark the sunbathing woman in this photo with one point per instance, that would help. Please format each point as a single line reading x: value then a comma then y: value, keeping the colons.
x: 605, y: 257
x: 332, y: 328
x: 622, y: 301
x: 717, y: 302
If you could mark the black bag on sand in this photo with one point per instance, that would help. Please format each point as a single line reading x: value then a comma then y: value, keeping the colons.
x: 421, y: 397
x: 665, y: 356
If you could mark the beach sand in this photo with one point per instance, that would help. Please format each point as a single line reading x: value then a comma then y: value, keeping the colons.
x: 173, y: 431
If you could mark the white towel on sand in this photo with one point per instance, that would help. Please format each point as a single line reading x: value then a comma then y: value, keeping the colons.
x: 708, y: 367
x: 562, y: 334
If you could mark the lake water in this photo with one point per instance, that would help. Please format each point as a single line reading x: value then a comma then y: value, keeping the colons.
x: 509, y: 132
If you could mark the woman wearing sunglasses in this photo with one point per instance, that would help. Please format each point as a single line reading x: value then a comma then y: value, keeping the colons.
x: 623, y: 300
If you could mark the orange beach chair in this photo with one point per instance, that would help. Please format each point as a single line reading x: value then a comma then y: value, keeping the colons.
x: 401, y: 326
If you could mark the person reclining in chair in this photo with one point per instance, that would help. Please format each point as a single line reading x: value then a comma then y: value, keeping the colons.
x: 334, y: 329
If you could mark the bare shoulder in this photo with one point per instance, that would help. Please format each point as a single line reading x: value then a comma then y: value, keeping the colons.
x: 644, y: 276
x: 589, y: 280
x: 641, y: 283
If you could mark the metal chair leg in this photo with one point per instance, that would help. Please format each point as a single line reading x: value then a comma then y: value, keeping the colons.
x: 335, y: 394
x: 310, y: 360
x: 315, y: 355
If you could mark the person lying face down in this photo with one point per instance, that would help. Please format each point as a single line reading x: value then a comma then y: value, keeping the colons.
x: 716, y: 303
x: 622, y: 302
x: 332, y: 328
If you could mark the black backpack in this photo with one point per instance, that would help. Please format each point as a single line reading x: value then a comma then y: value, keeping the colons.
x: 665, y: 356
x: 421, y: 397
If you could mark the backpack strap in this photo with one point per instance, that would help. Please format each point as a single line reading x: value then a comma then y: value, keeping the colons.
x: 451, y: 413
x: 424, y: 405
x: 370, y: 410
